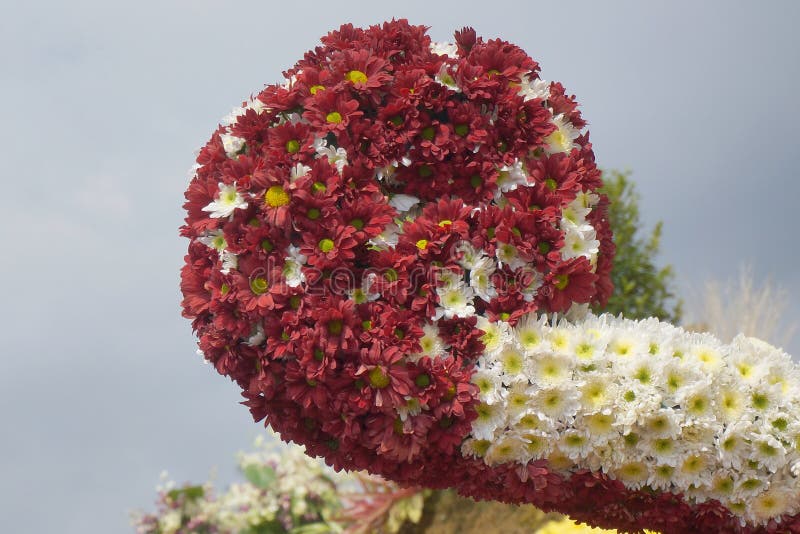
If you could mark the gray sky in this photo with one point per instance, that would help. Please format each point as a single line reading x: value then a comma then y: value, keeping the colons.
x: 102, y: 104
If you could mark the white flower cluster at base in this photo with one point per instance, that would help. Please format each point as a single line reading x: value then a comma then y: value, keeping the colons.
x: 649, y: 404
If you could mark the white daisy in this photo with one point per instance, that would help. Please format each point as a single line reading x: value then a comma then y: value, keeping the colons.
x: 530, y: 332
x: 536, y: 88
x: 403, y: 203
x: 455, y: 301
x: 227, y: 201
x: 490, y: 417
x: 336, y: 156
x: 229, y: 261
x: 496, y: 335
x: 563, y: 138
x: 480, y: 278
x: 298, y: 171
x: 214, y: 239
x: 444, y: 49
x: 231, y: 144
x: 509, y: 177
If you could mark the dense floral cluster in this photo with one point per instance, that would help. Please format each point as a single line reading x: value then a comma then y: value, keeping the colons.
x: 353, y: 229
x: 286, y: 492
x: 646, y: 403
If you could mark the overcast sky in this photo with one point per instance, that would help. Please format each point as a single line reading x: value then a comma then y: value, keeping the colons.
x: 103, y: 103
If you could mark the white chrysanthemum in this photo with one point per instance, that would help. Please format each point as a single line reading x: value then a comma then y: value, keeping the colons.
x: 557, y: 403
x: 518, y: 402
x: 586, y: 199
x: 455, y: 302
x: 531, y: 89
x: 227, y: 201
x: 514, y: 365
x: 488, y: 382
x: 231, y: 144
x: 298, y: 171
x: 678, y: 376
x: 698, y: 403
x: 230, y: 261
x: 386, y: 239
x: 644, y: 370
x: 489, y: 418
x: 575, y: 444
x: 411, y: 408
x: 633, y: 474
x: 530, y: 333
x: 537, y: 445
x: 564, y: 136
x: 550, y: 370
x: 444, y: 49
x: 403, y: 203
x: 660, y: 477
x: 636, y: 403
x: 579, y: 243
x: 496, y: 335
x: 257, y: 336
x: 600, y: 425
x: 507, y: 448
x: 509, y: 177
x: 509, y: 255
x: 449, y: 278
x: 431, y: 344
x: 480, y: 278
x: 767, y: 451
x: 445, y: 78
x: 663, y: 450
x: 589, y: 347
x: 366, y: 293
x: 763, y: 398
x: 214, y: 239
x: 469, y: 256
x: 772, y: 503
x: 574, y: 215
x: 337, y: 156
x: 626, y: 344
x: 598, y: 393
x: 694, y: 469
x: 664, y: 423
x: 707, y: 351
x: 561, y: 339
x: 475, y: 448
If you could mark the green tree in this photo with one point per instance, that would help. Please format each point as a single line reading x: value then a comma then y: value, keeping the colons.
x: 641, y: 288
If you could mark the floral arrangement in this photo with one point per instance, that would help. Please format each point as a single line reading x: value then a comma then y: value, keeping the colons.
x: 376, y: 245
x: 284, y: 493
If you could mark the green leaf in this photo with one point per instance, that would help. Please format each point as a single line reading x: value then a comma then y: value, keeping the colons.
x: 261, y: 476
x: 190, y: 493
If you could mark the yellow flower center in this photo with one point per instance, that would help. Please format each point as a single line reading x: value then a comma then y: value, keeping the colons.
x: 258, y: 285
x: 378, y: 379
x: 314, y: 89
x: 276, y: 197
x: 334, y: 117
x: 356, y: 76
x: 326, y: 245
x: 422, y: 244
x: 562, y: 281
x: 292, y: 146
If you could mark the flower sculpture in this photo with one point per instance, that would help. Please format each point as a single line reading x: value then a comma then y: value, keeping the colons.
x: 393, y: 254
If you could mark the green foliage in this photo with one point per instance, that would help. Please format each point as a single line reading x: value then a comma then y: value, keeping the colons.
x: 641, y: 289
x: 260, y: 475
